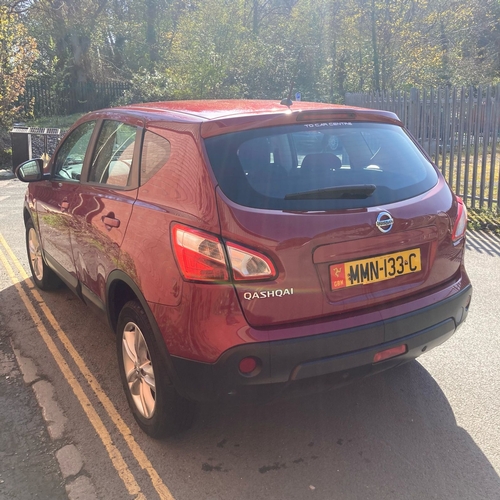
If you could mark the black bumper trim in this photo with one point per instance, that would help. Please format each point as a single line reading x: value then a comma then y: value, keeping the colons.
x: 416, y: 344
x: 291, y: 361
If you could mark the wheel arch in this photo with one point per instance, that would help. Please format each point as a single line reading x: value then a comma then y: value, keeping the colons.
x: 26, y: 215
x: 120, y: 289
x: 30, y: 214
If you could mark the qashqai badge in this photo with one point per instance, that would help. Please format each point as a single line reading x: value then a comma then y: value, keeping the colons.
x: 384, y: 222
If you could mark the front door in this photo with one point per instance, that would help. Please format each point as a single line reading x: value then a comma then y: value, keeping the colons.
x: 54, y: 201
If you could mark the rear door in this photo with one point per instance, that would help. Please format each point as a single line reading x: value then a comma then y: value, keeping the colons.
x: 354, y: 218
x: 103, y: 205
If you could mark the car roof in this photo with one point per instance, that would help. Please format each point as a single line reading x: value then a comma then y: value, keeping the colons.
x: 216, y: 109
x: 206, y: 110
x: 225, y: 115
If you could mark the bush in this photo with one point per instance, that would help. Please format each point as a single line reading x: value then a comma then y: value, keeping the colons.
x: 5, y: 151
x: 17, y: 53
x: 146, y: 87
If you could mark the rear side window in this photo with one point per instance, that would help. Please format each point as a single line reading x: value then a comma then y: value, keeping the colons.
x: 320, y: 166
x: 155, y: 153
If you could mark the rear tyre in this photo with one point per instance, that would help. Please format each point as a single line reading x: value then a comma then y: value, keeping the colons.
x: 157, y: 407
x: 43, y: 276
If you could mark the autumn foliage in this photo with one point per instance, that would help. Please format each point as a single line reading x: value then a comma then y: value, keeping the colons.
x: 17, y: 54
x: 192, y: 49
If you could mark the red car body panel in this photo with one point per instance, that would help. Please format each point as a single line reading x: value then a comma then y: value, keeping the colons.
x: 52, y: 203
x: 100, y: 219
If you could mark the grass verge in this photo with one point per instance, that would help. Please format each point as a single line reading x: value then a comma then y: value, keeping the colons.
x: 484, y: 220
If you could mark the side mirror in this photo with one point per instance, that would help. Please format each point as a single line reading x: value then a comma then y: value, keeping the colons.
x: 30, y: 171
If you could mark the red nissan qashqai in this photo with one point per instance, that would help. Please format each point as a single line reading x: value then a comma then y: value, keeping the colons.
x: 243, y: 248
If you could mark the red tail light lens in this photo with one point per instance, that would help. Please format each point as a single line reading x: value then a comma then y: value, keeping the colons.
x: 461, y: 221
x: 248, y: 264
x: 200, y: 255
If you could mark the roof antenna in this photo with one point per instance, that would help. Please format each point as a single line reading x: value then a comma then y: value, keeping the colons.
x: 287, y: 101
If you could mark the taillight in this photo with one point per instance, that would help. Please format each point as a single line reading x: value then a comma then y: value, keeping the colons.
x: 201, y: 257
x: 248, y: 264
x: 460, y: 222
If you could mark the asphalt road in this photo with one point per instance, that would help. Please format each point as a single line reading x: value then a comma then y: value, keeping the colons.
x: 427, y: 430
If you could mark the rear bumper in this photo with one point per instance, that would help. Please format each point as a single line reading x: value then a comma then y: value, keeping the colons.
x: 330, y: 359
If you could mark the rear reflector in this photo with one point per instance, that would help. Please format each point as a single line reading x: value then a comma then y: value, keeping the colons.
x: 248, y: 365
x: 390, y: 353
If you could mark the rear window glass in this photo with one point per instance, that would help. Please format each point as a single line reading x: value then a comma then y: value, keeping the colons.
x: 298, y: 167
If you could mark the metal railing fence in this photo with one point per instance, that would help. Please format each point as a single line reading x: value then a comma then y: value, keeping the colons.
x: 48, y: 99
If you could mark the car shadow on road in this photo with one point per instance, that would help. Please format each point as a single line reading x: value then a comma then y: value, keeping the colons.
x: 483, y: 242
x: 391, y: 436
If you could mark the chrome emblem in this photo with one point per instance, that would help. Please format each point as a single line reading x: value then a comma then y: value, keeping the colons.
x: 265, y: 294
x: 384, y: 222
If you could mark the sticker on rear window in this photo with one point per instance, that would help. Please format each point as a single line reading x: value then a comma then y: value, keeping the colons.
x: 329, y: 124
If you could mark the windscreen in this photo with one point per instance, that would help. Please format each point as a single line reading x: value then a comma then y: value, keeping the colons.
x: 319, y: 166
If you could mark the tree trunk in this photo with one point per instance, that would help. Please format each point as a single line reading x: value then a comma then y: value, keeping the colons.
x: 255, y: 19
x: 376, y: 64
x: 151, y: 12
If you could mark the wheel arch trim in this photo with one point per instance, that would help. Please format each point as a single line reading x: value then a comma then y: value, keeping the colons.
x: 112, y: 315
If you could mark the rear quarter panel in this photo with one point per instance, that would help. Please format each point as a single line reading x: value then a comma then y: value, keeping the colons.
x: 181, y: 191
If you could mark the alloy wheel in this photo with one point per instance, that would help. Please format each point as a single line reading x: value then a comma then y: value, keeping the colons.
x: 35, y: 254
x: 139, y: 370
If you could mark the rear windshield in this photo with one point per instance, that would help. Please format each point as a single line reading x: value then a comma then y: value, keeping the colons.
x: 319, y: 166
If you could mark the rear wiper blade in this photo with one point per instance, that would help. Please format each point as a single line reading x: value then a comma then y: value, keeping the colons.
x: 353, y: 192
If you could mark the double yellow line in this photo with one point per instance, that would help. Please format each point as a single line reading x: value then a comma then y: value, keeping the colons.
x: 116, y: 457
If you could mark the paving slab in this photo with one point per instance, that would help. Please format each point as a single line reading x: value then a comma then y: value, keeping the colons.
x: 28, y: 467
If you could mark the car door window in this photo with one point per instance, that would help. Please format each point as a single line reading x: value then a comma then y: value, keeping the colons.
x: 112, y: 160
x: 68, y: 163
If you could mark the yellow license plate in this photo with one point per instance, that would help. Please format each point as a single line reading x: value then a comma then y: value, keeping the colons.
x: 381, y: 268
